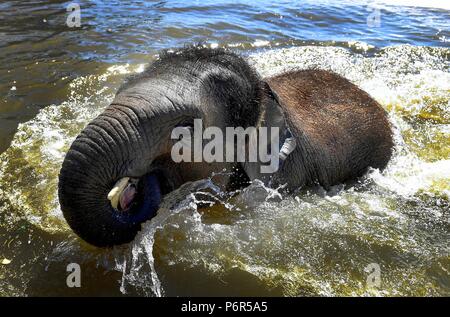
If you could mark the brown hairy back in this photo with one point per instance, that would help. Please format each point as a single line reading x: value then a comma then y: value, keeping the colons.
x: 340, y: 129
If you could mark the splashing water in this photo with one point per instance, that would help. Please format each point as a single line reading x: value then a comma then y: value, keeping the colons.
x: 261, y: 241
x: 179, y: 201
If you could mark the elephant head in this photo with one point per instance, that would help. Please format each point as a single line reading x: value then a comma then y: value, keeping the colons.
x: 119, y: 167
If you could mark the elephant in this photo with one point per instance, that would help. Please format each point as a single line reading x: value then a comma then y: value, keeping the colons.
x: 120, y: 166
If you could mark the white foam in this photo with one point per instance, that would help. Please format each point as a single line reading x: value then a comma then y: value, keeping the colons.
x: 260, y: 43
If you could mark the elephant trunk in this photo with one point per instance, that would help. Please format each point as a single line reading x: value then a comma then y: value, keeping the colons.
x: 122, y: 142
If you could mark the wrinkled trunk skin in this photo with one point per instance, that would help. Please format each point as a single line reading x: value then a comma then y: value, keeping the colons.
x: 104, y: 152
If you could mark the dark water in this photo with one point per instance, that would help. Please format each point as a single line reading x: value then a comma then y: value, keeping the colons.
x: 54, y: 79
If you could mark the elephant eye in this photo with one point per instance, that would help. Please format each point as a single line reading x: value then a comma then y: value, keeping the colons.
x: 187, y: 123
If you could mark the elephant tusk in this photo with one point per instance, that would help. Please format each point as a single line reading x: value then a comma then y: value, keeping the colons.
x: 114, y: 194
x: 288, y: 147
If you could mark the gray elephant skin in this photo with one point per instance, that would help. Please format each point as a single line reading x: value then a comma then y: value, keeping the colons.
x: 338, y: 129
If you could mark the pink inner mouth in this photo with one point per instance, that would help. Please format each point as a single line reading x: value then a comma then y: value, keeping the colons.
x: 127, y: 197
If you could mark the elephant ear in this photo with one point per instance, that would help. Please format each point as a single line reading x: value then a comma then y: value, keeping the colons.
x: 270, y: 93
x: 272, y: 115
x: 288, y: 142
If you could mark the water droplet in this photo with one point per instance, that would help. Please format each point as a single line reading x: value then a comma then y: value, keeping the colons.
x: 5, y: 261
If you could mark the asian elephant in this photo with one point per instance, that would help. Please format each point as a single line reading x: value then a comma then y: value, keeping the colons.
x: 120, y: 166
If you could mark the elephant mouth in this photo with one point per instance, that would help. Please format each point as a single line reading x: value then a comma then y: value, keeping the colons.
x: 140, y: 197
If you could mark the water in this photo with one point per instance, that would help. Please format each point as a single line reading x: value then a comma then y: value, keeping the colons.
x: 53, y: 80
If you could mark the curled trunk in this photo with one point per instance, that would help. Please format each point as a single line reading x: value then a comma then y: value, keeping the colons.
x: 122, y: 142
